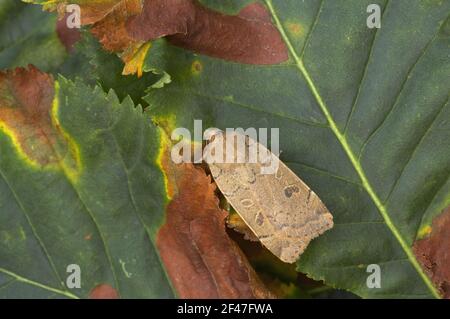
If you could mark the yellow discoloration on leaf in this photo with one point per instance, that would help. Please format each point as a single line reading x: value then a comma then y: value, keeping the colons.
x: 161, y: 162
x: 165, y: 125
x: 166, y: 122
x: 49, y: 5
x: 71, y: 165
x: 134, y: 59
x: 296, y: 29
x: 424, y: 231
x: 22, y: 233
x: 196, y: 67
x: 17, y: 147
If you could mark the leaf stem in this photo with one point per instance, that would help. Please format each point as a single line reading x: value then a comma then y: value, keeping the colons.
x: 37, y: 284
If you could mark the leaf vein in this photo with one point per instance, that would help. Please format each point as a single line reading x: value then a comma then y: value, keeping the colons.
x: 33, y: 229
x: 364, y: 75
x: 415, y: 150
x: 397, y: 98
x: 250, y: 107
x: 37, y: 284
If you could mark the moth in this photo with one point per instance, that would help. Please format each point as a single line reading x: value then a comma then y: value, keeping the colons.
x: 278, y: 207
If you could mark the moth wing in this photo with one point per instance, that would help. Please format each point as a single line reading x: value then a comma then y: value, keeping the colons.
x: 281, y: 210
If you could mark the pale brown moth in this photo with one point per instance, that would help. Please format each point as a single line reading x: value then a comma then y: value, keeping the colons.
x: 280, y: 209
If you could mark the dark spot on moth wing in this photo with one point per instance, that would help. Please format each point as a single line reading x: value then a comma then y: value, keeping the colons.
x: 290, y: 190
x: 259, y: 219
x: 103, y: 291
x: 309, y: 195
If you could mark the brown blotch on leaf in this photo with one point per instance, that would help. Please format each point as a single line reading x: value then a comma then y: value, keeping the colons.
x: 433, y: 253
x: 249, y: 37
x: 111, y: 30
x: 200, y: 259
x: 67, y: 36
x: 26, y: 97
x: 103, y: 291
x: 26, y: 116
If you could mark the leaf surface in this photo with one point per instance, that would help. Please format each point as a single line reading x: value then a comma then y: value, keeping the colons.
x: 28, y: 36
x: 82, y: 183
x: 363, y: 117
x: 79, y: 184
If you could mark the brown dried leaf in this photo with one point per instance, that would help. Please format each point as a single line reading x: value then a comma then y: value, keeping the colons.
x: 111, y: 30
x: 250, y: 37
x: 124, y: 26
x: 433, y: 253
x: 200, y: 259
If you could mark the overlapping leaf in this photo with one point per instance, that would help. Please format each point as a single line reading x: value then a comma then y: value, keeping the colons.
x: 127, y: 27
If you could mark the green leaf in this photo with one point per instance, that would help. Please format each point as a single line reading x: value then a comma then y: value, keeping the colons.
x: 28, y: 36
x: 363, y: 117
x: 93, y: 65
x: 79, y: 184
